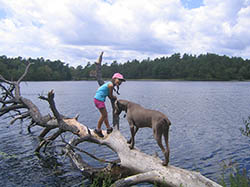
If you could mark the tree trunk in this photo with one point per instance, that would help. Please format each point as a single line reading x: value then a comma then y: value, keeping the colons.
x: 146, y: 168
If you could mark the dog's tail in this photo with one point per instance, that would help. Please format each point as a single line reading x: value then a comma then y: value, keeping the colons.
x: 167, y: 121
x: 166, y: 125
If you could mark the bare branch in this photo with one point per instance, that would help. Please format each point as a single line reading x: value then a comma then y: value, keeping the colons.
x: 9, y: 101
x: 6, y: 109
x: 33, y: 110
x: 8, y: 92
x: 51, y: 138
x: 85, y: 168
x: 6, y: 81
x: 22, y: 116
x: 99, y: 61
x: 76, y: 117
x: 25, y: 73
x: 32, y: 124
x: 43, y: 98
x: 98, y: 70
x: 44, y: 132
x: 52, y: 104
x: 85, y: 152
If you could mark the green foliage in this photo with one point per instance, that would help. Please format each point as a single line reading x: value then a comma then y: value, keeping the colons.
x: 41, y: 70
x: 188, y: 67
x: 235, y: 177
x: 102, y: 180
x: 6, y: 156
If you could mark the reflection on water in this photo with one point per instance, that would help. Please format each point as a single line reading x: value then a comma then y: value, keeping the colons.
x: 205, y: 116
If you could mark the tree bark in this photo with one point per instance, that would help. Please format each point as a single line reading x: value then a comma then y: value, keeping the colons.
x: 145, y: 168
x: 133, y: 166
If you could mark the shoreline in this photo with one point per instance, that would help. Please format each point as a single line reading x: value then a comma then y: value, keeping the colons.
x: 163, y: 80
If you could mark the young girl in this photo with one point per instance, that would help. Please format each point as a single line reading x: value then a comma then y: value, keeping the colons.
x: 99, y: 100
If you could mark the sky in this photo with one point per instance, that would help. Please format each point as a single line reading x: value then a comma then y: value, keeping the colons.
x: 77, y: 31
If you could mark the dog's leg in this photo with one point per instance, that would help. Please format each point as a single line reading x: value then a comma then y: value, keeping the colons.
x: 158, y: 131
x: 136, y: 129
x: 167, y: 152
x: 132, y: 130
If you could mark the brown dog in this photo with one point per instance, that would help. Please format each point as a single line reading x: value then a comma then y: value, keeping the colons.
x: 139, y: 117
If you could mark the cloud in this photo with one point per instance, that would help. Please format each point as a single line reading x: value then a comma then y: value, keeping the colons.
x: 76, y: 31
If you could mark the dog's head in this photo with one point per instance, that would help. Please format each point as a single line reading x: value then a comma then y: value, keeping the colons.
x: 119, y: 107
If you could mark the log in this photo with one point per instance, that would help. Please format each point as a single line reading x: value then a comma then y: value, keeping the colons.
x: 147, y: 168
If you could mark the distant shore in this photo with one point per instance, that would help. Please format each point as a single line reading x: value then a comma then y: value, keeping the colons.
x: 166, y: 80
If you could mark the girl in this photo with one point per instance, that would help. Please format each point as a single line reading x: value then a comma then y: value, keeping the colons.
x: 99, y: 100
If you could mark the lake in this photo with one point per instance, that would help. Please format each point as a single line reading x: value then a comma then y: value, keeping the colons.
x: 205, y: 116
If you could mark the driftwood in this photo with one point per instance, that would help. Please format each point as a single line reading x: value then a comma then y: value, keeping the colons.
x: 133, y: 166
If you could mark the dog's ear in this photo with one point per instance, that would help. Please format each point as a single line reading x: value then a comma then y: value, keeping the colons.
x: 117, y: 107
x: 121, y: 105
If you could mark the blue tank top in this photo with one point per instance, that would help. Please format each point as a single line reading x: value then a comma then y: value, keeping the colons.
x: 102, y: 92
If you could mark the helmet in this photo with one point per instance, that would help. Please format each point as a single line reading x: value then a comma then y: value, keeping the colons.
x: 118, y: 76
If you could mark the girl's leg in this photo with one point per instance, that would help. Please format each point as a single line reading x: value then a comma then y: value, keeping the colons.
x: 103, y: 118
x: 106, y: 121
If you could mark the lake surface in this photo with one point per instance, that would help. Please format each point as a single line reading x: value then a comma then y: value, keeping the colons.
x: 205, y: 116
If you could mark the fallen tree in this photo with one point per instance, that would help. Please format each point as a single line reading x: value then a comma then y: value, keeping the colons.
x: 133, y: 166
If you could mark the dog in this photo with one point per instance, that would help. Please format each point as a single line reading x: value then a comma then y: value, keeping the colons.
x: 139, y: 117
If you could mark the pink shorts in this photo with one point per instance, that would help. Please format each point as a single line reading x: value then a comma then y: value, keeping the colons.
x: 99, y: 104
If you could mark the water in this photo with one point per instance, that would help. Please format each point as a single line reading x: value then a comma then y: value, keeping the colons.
x: 205, y: 116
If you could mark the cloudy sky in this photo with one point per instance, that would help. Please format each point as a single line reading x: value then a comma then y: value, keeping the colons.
x: 76, y: 31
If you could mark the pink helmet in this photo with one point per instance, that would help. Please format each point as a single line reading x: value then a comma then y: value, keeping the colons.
x: 118, y: 76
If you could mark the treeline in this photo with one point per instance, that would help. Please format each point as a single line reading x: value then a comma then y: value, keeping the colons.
x: 186, y: 67
x: 41, y: 70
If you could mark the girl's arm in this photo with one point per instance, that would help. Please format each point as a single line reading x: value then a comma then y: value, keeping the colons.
x: 111, y: 96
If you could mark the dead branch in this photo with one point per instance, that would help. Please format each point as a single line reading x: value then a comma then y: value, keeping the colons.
x: 48, y: 140
x: 99, y: 71
x: 6, y: 81
x: 20, y: 117
x: 87, y: 153
x: 52, y: 105
x: 115, y: 118
x: 25, y: 73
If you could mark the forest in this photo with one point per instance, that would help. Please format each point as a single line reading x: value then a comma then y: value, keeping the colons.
x: 210, y: 67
